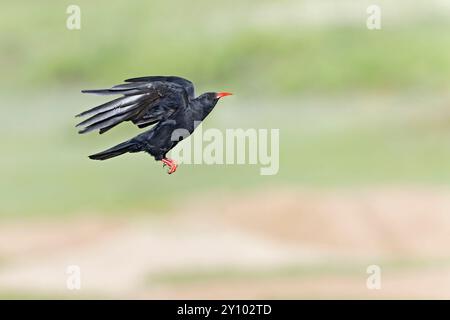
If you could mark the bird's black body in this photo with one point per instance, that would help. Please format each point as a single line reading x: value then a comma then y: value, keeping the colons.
x: 166, y: 101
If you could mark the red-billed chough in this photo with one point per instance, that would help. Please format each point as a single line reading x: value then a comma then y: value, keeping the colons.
x: 167, y: 101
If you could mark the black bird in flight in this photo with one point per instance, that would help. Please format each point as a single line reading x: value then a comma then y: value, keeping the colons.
x: 167, y: 101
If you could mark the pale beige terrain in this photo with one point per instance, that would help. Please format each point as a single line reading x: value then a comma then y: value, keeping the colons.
x: 280, y: 243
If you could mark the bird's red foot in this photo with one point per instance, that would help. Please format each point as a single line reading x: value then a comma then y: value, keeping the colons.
x: 171, y: 164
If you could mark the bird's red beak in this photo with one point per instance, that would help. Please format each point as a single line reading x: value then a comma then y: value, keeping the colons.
x: 223, y: 94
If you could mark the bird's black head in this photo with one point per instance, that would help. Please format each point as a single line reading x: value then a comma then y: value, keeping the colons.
x: 211, y: 98
x: 207, y: 101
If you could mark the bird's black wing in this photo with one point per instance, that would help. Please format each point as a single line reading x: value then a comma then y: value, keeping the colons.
x: 143, y: 102
x: 185, y: 83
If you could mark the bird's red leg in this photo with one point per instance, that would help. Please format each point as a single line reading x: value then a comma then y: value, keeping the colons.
x: 171, y: 163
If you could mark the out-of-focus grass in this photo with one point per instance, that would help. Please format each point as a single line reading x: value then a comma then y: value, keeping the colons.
x: 29, y: 295
x: 271, y: 66
x: 218, y: 43
x: 354, y: 140
x: 26, y: 296
x: 309, y: 270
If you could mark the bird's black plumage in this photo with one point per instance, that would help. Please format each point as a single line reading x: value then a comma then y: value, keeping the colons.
x: 168, y: 102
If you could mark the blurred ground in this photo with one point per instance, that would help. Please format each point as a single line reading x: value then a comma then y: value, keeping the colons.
x: 281, y: 243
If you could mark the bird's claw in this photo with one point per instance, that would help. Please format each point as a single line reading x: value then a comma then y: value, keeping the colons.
x: 171, y: 164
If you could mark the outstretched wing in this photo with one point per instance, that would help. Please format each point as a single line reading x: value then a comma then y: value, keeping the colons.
x: 185, y: 83
x: 145, y: 101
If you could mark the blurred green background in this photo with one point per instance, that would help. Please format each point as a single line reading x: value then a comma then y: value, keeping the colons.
x: 356, y: 108
x: 353, y: 105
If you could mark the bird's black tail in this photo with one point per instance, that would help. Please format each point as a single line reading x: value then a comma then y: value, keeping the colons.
x: 121, y: 148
